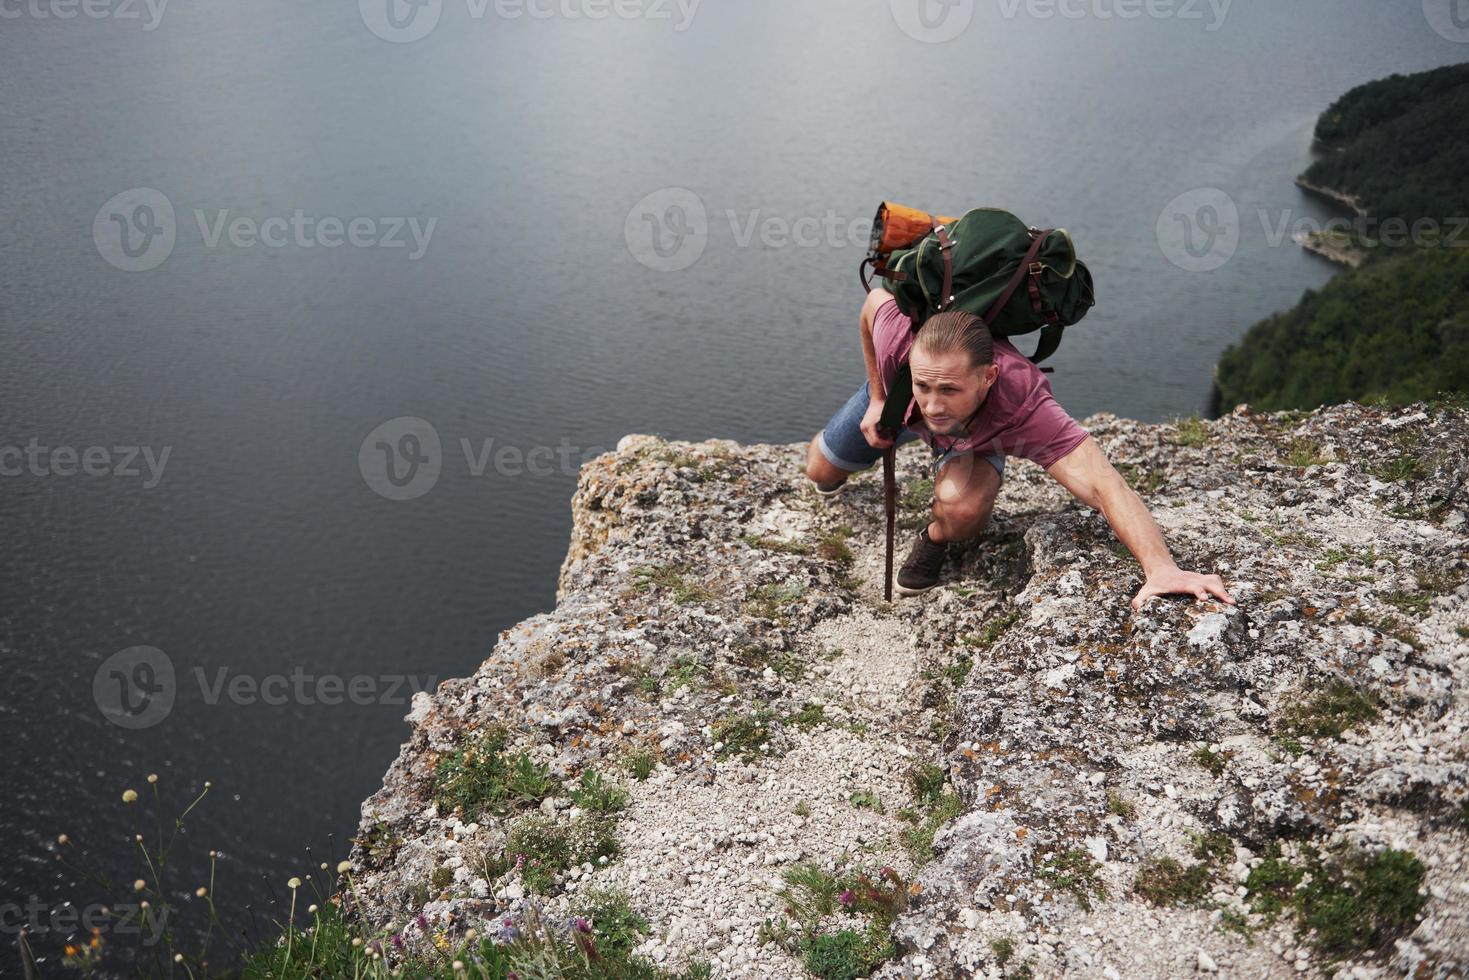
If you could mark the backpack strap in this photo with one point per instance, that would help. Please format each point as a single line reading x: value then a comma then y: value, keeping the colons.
x: 1037, y: 237
x: 879, y: 268
x: 900, y: 393
x: 946, y: 245
x: 1050, y: 340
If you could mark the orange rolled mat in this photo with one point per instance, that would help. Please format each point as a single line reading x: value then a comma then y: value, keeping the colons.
x: 899, y: 226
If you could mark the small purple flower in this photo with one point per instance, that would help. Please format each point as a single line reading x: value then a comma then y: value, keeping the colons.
x: 397, y: 942
x: 847, y: 898
x: 581, y: 924
x: 376, y: 946
x: 422, y: 922
x: 519, y: 861
x: 507, y: 931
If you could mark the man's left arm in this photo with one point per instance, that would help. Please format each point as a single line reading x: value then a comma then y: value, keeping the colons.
x: 1093, y: 480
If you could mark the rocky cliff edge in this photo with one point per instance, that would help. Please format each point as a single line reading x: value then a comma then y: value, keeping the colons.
x: 1011, y: 775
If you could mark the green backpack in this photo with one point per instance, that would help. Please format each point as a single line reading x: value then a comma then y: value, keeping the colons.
x: 976, y: 263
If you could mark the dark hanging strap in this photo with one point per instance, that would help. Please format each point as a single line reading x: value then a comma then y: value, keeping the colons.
x: 900, y: 393
x: 1050, y: 340
x: 879, y: 268
x: 890, y: 502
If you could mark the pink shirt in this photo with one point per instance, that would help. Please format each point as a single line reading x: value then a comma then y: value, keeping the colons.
x: 1019, y: 416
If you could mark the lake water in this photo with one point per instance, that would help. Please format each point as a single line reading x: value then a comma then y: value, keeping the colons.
x: 242, y: 242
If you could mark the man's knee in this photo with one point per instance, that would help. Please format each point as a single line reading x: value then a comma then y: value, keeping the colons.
x: 970, y: 513
x: 964, y: 494
x: 819, y: 469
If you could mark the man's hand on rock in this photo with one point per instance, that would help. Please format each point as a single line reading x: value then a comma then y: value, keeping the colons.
x: 1174, y: 580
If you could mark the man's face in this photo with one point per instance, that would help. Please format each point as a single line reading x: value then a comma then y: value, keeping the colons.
x: 948, y: 389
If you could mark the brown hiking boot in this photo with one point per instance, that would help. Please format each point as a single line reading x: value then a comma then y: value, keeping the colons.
x: 920, y: 572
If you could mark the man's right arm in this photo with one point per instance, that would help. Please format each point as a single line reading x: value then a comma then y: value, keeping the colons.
x: 876, y: 389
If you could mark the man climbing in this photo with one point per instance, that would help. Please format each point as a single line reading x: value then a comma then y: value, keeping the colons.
x: 976, y: 395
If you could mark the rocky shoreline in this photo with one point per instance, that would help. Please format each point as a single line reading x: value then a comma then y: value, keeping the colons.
x: 1032, y: 779
x: 1334, y: 247
x: 1332, y: 194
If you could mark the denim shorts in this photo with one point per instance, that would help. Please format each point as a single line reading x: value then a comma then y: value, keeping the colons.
x: 846, y: 448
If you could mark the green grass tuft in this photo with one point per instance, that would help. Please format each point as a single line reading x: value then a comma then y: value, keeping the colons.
x: 1166, y: 882
x: 597, y: 794
x: 479, y: 778
x: 744, y: 734
x: 671, y: 578
x: 1073, y: 871
x: 1330, y: 712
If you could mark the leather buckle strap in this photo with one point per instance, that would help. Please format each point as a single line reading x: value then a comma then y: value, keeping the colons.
x: 1033, y: 287
x: 1038, y: 236
x: 946, y: 245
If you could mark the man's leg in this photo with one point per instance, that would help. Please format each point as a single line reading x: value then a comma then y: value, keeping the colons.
x: 964, y: 496
x: 819, y: 469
